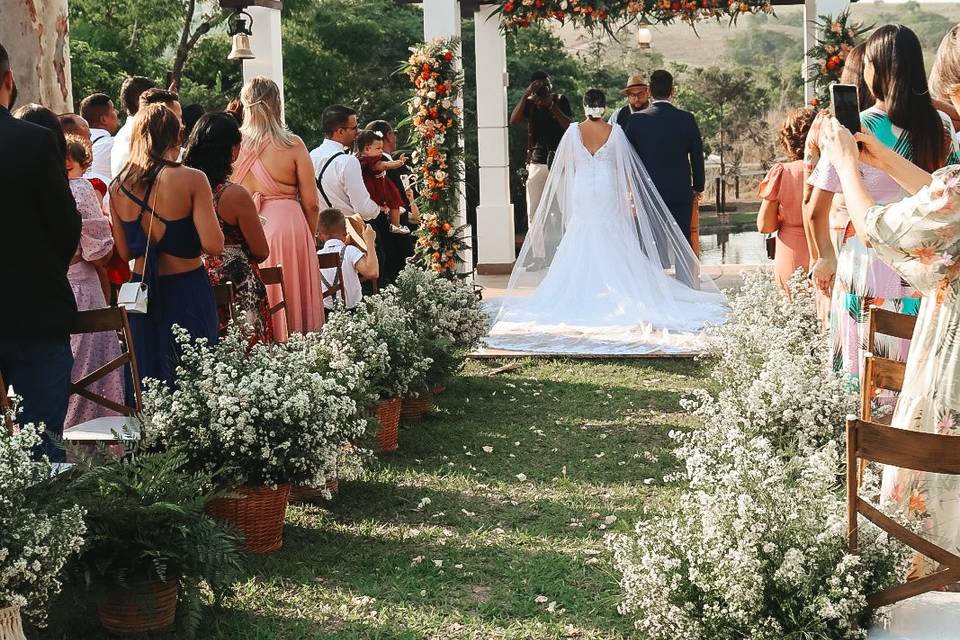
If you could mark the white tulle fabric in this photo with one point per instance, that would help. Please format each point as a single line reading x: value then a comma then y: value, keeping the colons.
x: 604, y: 269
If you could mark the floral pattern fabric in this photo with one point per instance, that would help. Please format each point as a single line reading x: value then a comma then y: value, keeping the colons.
x: 920, y: 238
x: 236, y: 265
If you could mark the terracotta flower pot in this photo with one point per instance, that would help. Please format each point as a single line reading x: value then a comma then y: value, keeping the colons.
x: 257, y: 514
x: 388, y: 412
x: 11, y: 627
x: 415, y: 408
x: 145, y: 606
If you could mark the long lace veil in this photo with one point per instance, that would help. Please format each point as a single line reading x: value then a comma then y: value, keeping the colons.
x: 662, y: 259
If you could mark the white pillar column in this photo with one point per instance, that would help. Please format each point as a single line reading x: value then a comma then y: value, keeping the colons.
x: 812, y: 10
x: 495, y: 233
x: 441, y: 19
x: 267, y: 45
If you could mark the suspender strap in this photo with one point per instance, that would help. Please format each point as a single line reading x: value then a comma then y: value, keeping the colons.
x: 324, y: 170
x: 326, y: 284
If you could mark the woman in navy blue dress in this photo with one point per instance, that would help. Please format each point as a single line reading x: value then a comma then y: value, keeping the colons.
x: 163, y: 218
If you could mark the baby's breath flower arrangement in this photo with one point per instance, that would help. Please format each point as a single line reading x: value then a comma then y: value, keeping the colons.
x: 38, y: 532
x: 756, y: 546
x: 446, y: 315
x: 265, y: 415
x: 379, y: 335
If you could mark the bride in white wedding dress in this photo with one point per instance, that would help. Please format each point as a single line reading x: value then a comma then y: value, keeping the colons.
x: 604, y: 269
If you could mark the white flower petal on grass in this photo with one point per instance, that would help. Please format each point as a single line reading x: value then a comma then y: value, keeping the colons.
x: 522, y: 477
x: 487, y: 449
x: 541, y: 599
x: 438, y: 563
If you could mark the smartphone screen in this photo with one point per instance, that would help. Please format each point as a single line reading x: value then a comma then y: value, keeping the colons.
x: 846, y: 105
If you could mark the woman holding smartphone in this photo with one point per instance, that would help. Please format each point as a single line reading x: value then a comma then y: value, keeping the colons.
x: 919, y: 237
x: 904, y: 120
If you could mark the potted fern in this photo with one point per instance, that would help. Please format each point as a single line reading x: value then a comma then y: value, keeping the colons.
x: 448, y: 321
x: 40, y: 531
x: 379, y: 335
x: 150, y: 542
x: 261, y: 417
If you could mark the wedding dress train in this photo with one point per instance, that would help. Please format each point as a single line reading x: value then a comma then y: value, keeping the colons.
x: 604, y: 269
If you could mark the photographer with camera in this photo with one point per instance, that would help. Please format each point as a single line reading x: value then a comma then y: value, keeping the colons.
x: 548, y: 115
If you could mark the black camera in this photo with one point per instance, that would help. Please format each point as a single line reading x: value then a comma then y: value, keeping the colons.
x: 543, y: 91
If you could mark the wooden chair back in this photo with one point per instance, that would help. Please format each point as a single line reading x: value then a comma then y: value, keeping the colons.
x: 927, y: 452
x: 225, y: 295
x: 888, y: 323
x: 332, y: 260
x: 881, y: 373
x: 273, y: 276
x: 97, y: 321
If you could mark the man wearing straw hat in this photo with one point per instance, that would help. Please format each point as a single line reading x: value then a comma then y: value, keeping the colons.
x: 637, y: 93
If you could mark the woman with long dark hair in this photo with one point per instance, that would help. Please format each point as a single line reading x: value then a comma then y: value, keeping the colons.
x: 163, y: 218
x: 905, y: 121
x: 213, y: 148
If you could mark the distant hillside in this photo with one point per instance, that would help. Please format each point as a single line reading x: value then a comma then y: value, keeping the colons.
x: 679, y: 43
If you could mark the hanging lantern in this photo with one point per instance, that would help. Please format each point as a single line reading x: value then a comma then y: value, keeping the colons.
x: 240, y: 29
x: 644, y: 34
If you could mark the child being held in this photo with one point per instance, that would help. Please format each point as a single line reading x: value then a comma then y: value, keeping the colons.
x: 382, y: 190
x: 332, y: 228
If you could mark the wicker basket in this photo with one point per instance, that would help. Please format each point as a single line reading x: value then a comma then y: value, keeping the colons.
x: 414, y: 409
x: 258, y: 515
x: 301, y: 493
x: 438, y: 389
x: 388, y: 412
x: 147, y: 606
x: 10, y: 625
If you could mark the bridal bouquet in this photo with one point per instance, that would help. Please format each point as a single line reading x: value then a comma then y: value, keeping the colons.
x: 261, y: 415
x: 38, y: 532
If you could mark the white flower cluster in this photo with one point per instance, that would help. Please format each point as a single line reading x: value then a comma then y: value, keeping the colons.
x: 379, y: 336
x: 756, y: 547
x: 37, y: 536
x: 446, y: 315
x: 261, y: 415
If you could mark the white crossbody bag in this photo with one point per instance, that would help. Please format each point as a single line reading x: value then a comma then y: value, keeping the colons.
x: 133, y: 296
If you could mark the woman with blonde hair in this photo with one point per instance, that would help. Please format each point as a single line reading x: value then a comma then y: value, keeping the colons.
x: 163, y: 218
x: 275, y: 167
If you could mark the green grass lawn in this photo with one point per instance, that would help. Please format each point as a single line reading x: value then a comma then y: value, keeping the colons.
x: 489, y: 522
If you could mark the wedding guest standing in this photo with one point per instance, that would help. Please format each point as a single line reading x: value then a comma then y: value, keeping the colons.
x: 90, y: 350
x: 163, y: 218
x: 39, y: 212
x: 903, y: 119
x: 130, y: 92
x: 101, y: 115
x: 548, y: 115
x: 275, y: 168
x: 637, y: 93
x: 920, y: 238
x: 781, y: 192
x: 213, y: 147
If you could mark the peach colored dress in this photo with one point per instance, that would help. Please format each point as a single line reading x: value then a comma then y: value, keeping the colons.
x: 291, y: 245
x: 784, y: 185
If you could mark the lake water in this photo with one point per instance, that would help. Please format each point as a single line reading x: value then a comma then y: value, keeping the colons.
x: 733, y: 247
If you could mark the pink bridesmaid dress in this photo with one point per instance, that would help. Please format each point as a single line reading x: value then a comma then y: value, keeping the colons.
x: 91, y: 350
x: 291, y: 245
x: 784, y: 185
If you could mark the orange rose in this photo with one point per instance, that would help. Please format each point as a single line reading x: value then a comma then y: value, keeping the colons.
x: 508, y: 7
x: 446, y: 226
x: 436, y: 256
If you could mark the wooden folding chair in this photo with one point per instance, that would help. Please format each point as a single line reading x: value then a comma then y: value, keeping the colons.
x: 225, y: 295
x: 881, y: 373
x: 332, y: 289
x: 274, y: 276
x: 127, y: 425
x: 926, y: 452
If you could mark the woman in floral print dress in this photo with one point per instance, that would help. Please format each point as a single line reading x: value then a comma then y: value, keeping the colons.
x: 904, y: 120
x: 920, y: 238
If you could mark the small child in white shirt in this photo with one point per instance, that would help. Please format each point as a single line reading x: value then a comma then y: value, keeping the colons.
x: 332, y: 229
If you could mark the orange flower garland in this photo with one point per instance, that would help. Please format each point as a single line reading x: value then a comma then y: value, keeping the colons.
x: 518, y: 14
x: 436, y: 116
x: 837, y: 37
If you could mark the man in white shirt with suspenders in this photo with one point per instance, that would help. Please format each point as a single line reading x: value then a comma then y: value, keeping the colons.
x: 339, y: 177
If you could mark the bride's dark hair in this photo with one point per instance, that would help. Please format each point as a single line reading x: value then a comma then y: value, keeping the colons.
x: 594, y: 99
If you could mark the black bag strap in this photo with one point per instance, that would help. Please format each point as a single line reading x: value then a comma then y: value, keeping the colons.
x: 324, y: 170
x: 326, y: 284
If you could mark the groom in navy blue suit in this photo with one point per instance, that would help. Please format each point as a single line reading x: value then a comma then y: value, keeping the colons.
x: 668, y: 141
